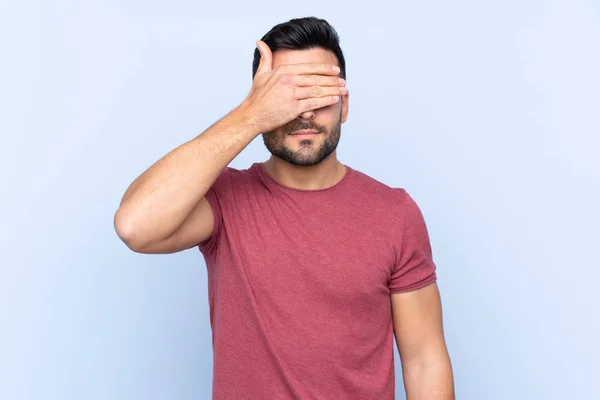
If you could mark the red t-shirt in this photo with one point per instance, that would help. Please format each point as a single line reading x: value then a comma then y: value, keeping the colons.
x: 299, y: 285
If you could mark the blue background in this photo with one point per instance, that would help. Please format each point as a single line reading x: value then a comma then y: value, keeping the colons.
x: 488, y: 113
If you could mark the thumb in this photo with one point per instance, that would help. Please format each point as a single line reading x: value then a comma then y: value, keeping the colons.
x: 266, y: 57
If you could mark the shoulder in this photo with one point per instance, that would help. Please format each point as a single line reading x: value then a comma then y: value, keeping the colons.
x: 380, y: 191
x: 393, y: 203
x: 231, y: 178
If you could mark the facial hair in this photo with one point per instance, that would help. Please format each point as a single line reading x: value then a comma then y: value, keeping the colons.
x: 308, y: 154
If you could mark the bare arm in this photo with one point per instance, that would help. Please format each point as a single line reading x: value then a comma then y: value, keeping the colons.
x: 426, y: 366
x: 164, y: 209
x: 160, y: 200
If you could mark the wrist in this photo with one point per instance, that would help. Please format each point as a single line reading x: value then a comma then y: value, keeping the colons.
x: 247, y: 119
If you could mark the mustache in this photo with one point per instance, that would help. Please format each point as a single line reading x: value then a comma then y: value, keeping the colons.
x: 299, y: 125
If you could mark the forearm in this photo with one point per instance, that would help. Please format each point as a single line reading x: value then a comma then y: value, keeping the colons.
x: 160, y: 199
x: 429, y: 378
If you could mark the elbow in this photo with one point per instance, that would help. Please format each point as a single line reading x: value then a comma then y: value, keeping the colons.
x: 127, y: 232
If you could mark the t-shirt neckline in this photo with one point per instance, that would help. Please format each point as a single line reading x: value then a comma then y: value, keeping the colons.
x: 268, y: 178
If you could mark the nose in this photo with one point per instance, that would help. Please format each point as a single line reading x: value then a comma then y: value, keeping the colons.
x: 307, y: 115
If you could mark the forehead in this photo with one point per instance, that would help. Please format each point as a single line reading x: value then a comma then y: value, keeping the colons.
x: 317, y: 55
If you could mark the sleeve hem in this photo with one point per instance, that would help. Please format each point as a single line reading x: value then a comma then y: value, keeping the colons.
x: 216, y: 222
x: 419, y: 285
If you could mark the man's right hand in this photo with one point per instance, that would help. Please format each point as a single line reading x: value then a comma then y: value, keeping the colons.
x: 279, y: 95
x: 165, y: 209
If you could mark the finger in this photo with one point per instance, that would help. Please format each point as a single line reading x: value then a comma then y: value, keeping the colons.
x: 318, y: 80
x: 314, y: 103
x: 310, y: 68
x: 319, y: 91
x: 266, y: 57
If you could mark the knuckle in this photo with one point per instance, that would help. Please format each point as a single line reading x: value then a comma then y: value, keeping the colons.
x: 317, y: 91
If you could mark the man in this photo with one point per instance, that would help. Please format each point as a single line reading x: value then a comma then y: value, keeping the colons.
x: 313, y: 266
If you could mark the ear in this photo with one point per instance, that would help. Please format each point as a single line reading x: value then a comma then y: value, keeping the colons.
x: 345, y: 106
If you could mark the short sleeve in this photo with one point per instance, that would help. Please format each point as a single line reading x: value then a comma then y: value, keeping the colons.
x: 215, y: 197
x: 413, y: 267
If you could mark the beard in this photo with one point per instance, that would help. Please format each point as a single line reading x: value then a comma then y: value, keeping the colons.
x: 308, y: 153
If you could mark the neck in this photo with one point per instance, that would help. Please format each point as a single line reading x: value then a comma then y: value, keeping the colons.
x: 321, y: 176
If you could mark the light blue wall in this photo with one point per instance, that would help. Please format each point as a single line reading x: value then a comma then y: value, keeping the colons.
x: 488, y: 113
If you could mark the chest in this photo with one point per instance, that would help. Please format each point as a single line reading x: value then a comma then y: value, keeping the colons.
x: 302, y: 251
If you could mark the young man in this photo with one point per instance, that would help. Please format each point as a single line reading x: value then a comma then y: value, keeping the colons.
x: 313, y: 267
